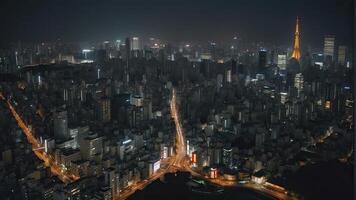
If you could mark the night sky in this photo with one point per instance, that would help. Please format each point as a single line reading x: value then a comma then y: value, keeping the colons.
x: 271, y: 21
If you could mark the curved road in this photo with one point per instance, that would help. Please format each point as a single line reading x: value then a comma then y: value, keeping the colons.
x: 182, y: 162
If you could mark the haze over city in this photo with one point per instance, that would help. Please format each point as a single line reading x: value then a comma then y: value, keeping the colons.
x: 178, y: 99
x: 175, y: 20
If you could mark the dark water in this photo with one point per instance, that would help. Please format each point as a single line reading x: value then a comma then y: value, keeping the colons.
x: 329, y: 180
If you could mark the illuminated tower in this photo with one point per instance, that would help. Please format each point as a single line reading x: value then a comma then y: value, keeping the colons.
x: 296, y: 50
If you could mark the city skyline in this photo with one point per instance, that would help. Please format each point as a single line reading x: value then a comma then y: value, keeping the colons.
x: 201, y: 21
x: 141, y: 100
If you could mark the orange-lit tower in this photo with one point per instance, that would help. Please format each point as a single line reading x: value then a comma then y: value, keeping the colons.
x: 296, y: 50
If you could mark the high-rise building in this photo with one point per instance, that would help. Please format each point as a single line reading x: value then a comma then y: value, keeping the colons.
x: 299, y: 82
x: 329, y: 47
x: 61, y: 126
x: 153, y: 166
x: 91, y: 147
x: 342, y: 55
x: 296, y: 50
x: 111, y: 179
x: 228, y: 76
x: 284, y: 97
x: 233, y: 67
x: 282, y: 61
x: 118, y: 44
x: 127, y: 48
x: 135, y: 116
x: 273, y: 57
x: 135, y: 44
x: 227, y: 156
x: 318, y: 59
x: 104, y: 110
x: 234, y: 47
x: 105, y: 193
x: 262, y: 58
x: 147, y: 109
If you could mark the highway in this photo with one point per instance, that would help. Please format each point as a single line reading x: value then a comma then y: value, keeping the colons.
x: 37, y: 148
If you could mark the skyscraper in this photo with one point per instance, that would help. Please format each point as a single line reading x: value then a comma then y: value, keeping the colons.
x: 342, y: 55
x: 318, y: 59
x: 296, y: 50
x: 61, y: 126
x: 282, y: 61
x: 104, y: 109
x: 233, y: 67
x: 91, y: 146
x: 262, y: 58
x: 329, y: 47
x: 299, y: 82
x: 228, y: 76
x: 135, y: 44
x: 127, y: 48
x: 227, y: 156
x: 128, y: 56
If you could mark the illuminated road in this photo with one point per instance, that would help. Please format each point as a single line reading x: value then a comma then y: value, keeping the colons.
x: 182, y: 162
x: 142, y: 184
x: 37, y: 148
x: 176, y: 162
x: 180, y: 144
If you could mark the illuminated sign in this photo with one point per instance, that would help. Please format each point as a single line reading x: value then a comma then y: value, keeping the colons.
x: 86, y: 50
x: 194, y: 157
x: 126, y: 141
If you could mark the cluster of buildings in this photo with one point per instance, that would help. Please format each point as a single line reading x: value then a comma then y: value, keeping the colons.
x: 111, y: 134
x: 101, y: 113
x: 265, y: 120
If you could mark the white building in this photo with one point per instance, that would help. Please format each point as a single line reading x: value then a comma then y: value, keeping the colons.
x: 135, y: 45
x: 282, y: 61
x: 299, y: 82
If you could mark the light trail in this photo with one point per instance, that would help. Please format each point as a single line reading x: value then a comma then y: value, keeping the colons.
x: 175, y: 162
x: 37, y: 148
x: 182, y: 161
x: 180, y: 143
